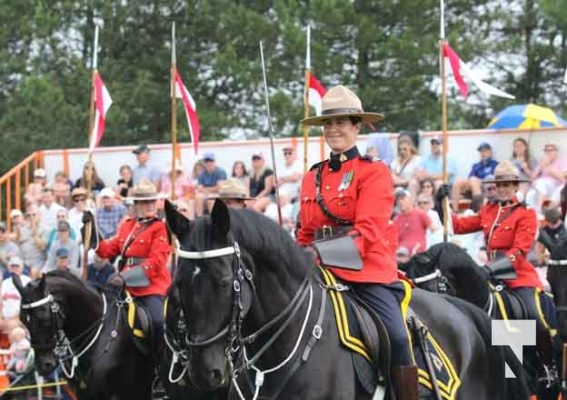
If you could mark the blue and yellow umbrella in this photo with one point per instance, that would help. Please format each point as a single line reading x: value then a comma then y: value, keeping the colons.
x: 526, y: 116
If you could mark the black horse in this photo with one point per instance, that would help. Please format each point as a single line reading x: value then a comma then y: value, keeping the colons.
x: 447, y: 268
x: 256, y: 319
x: 83, y: 328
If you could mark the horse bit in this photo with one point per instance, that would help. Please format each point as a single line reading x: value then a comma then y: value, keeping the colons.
x: 62, y: 344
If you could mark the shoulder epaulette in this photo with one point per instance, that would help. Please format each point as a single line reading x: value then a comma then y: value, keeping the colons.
x: 316, y: 165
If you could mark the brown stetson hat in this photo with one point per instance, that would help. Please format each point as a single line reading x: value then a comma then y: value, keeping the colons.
x: 145, y: 190
x: 233, y: 189
x: 505, y: 171
x: 340, y: 101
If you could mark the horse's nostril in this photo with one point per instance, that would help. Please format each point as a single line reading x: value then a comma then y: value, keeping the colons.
x: 216, y: 376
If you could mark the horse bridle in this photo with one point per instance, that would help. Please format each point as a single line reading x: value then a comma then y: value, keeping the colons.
x: 235, y: 341
x: 59, y: 342
x: 442, y: 281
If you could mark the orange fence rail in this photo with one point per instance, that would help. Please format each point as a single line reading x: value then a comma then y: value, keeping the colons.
x: 14, y: 183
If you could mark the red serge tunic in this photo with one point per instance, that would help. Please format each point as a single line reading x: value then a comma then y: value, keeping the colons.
x: 361, y: 192
x: 151, y: 245
x: 513, y: 233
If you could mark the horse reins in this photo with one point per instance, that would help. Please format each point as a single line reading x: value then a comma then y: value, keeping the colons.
x: 61, y: 344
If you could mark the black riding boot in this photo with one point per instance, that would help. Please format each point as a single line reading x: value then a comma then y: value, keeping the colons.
x: 405, y: 382
x: 544, y: 347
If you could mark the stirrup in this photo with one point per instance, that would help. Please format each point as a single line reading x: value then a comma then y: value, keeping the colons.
x: 550, y: 376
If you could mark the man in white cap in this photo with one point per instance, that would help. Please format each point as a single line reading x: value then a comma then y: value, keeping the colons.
x: 110, y: 213
x: 9, y: 296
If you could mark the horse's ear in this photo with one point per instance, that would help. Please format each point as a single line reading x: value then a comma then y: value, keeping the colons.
x: 221, y: 217
x: 41, y: 284
x: 18, y: 283
x: 176, y: 222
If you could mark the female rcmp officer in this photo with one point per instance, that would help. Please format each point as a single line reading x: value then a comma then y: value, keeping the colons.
x: 510, y: 231
x: 351, y: 197
x: 144, y: 248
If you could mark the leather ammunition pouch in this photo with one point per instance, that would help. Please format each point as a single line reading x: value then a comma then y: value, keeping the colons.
x: 502, y: 268
x: 339, y: 252
x: 135, y: 277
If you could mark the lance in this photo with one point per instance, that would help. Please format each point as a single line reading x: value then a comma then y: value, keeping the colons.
x: 271, y: 132
x: 173, y: 112
x: 306, y: 99
x: 89, y: 174
x: 445, y: 202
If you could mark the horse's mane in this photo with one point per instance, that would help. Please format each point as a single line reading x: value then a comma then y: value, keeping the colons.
x: 263, y: 238
x: 451, y: 254
x: 74, y: 280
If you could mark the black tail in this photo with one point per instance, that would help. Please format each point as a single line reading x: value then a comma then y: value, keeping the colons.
x: 509, y: 389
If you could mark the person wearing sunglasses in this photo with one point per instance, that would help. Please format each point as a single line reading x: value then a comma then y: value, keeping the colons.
x: 79, y: 200
x: 291, y: 173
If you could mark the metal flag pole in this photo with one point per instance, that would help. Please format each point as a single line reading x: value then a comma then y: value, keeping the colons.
x: 173, y: 111
x: 306, y: 100
x: 271, y: 132
x: 88, y: 225
x: 445, y: 203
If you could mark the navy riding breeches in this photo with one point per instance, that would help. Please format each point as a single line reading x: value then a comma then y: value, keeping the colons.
x: 154, y: 305
x: 385, y: 300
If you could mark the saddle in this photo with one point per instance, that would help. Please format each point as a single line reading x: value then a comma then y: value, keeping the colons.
x: 507, y: 304
x: 363, y: 333
x: 139, y: 323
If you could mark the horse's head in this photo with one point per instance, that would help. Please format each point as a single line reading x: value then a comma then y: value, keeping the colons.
x: 557, y: 278
x: 214, y: 281
x: 423, y: 270
x: 43, y: 318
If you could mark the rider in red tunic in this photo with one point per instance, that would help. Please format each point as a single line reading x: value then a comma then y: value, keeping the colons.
x: 143, y: 247
x: 510, y: 230
x: 351, y: 197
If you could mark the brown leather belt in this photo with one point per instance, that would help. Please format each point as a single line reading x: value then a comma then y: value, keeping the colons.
x: 328, y: 232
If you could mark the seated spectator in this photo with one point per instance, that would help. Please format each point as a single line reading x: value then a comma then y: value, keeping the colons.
x: 431, y: 167
x: 406, y: 163
x: 234, y: 194
x: 184, y: 188
x: 434, y: 235
x: 90, y: 179
x: 262, y: 183
x: 549, y: 177
x: 109, y: 214
x: 554, y: 226
x: 290, y: 174
x: 34, y: 190
x: 479, y: 171
x: 31, y: 237
x: 144, y: 170
x: 64, y: 262
x: 62, y: 215
x: 240, y: 172
x: 412, y: 224
x: 100, y: 270
x: 9, y: 295
x: 49, y: 209
x: 75, y: 215
x: 16, y: 220
x: 286, y: 209
x: 378, y: 146
x: 62, y: 247
x: 8, y: 249
x: 427, y: 187
x: 19, y: 350
x: 402, y: 255
x: 61, y: 189
x: 125, y: 183
x: 525, y: 163
x: 208, y: 184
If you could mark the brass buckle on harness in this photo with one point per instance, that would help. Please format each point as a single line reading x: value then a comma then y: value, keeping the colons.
x: 326, y: 231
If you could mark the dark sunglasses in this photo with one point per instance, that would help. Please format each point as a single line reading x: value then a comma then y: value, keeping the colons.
x: 423, y: 202
x: 81, y: 200
x: 491, y: 188
x: 287, y: 153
